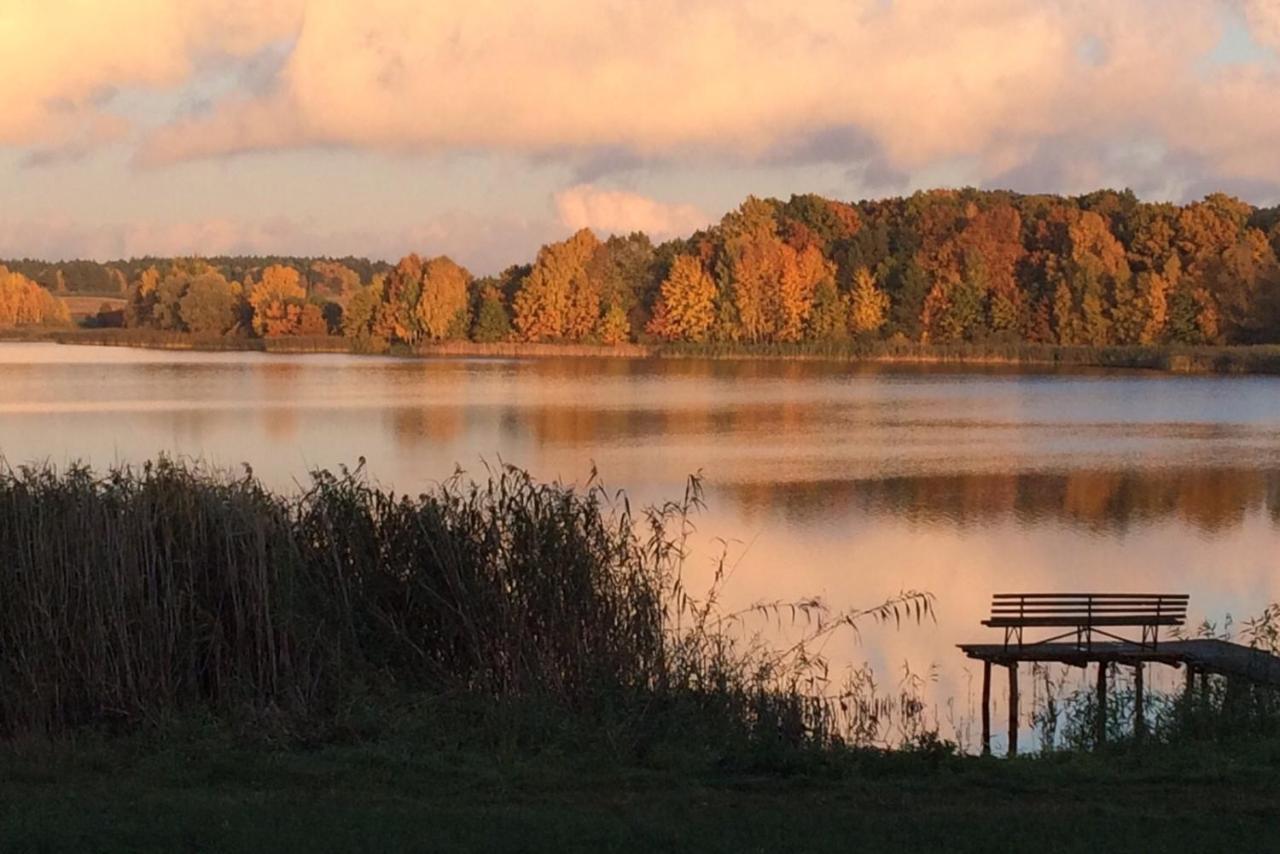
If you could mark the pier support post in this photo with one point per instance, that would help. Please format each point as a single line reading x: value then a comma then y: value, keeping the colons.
x: 1100, y: 732
x: 986, y: 708
x: 1013, y: 708
x: 1139, y: 713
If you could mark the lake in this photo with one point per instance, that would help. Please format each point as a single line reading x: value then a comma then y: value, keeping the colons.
x: 846, y: 482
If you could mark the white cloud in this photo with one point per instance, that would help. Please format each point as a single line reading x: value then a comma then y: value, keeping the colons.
x: 620, y: 212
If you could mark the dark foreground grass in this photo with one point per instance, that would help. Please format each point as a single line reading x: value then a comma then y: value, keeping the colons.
x: 410, y: 793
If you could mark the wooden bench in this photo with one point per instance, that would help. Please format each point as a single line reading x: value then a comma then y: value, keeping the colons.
x: 1087, y: 614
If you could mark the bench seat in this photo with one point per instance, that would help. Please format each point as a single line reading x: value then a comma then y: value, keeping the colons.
x: 1096, y: 620
x: 1083, y: 614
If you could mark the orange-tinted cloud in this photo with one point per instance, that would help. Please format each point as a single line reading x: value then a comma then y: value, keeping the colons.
x: 922, y: 81
x: 1263, y: 17
x: 60, y: 60
x: 925, y: 79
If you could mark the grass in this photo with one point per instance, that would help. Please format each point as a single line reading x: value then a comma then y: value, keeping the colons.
x: 423, y: 791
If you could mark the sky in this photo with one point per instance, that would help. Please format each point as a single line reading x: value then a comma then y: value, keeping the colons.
x: 482, y: 129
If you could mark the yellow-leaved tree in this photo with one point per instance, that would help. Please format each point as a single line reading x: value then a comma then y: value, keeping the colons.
x: 442, y: 305
x: 772, y: 282
x: 558, y: 299
x: 24, y: 303
x: 613, y: 327
x: 277, y: 301
x: 868, y: 305
x: 685, y: 309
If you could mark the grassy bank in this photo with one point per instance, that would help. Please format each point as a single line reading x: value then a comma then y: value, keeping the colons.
x: 1259, y: 359
x: 422, y: 791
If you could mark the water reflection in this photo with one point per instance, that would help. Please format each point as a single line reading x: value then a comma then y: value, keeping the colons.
x: 1211, y: 500
x: 846, y: 482
x: 426, y: 426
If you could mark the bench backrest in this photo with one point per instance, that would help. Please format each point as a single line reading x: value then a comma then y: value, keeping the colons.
x: 1134, y: 609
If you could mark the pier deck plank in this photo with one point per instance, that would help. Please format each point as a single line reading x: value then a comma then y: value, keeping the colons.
x: 1211, y: 656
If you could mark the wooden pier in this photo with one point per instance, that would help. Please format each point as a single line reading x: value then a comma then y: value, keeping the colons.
x: 1086, y: 615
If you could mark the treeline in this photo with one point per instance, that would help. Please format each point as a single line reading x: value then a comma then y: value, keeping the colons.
x: 938, y: 267
x: 113, y: 278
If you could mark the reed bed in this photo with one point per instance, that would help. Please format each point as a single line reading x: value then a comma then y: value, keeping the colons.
x: 169, y: 589
x: 1232, y: 359
x: 1253, y: 359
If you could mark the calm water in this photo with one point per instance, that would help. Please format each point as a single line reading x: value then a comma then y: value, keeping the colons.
x: 847, y: 483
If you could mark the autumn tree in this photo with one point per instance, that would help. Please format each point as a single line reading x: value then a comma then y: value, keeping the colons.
x: 140, y: 309
x: 277, y: 301
x: 972, y: 255
x: 685, y: 309
x: 165, y: 301
x: 360, y: 314
x: 311, y: 321
x: 210, y: 304
x: 332, y: 280
x: 25, y: 303
x: 442, y: 310
x: 869, y: 306
x: 1091, y: 272
x: 772, y: 283
x: 396, y: 319
x: 825, y: 223
x: 613, y: 327
x: 167, y: 312
x: 558, y: 300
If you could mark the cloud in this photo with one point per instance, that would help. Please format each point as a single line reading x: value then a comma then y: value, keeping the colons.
x: 483, y: 244
x: 893, y: 89
x: 914, y: 81
x: 620, y: 212
x: 95, y: 131
x: 61, y: 61
x: 1263, y: 17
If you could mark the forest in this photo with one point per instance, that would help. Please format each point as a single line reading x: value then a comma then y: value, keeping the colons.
x: 937, y: 267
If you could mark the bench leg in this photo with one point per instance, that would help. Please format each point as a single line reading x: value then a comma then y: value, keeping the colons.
x: 1100, y: 731
x: 1013, y: 709
x: 1139, y: 713
x: 986, y: 708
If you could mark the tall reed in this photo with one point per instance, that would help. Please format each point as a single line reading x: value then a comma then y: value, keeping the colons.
x: 171, y: 587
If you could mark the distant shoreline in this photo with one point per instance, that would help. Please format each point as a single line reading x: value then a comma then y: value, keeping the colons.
x: 1238, y: 360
